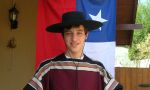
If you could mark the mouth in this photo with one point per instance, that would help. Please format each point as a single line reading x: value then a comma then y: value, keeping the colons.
x: 74, y: 45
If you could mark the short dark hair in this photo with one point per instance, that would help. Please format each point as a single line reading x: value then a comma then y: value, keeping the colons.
x: 71, y: 26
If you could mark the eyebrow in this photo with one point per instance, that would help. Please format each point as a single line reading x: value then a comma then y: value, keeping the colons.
x: 80, y: 30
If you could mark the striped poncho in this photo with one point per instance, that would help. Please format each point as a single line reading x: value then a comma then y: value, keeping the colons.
x: 61, y: 73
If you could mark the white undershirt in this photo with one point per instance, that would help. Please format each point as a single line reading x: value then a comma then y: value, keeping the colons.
x: 74, y: 58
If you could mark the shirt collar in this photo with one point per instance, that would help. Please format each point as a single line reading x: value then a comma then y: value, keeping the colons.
x: 74, y: 58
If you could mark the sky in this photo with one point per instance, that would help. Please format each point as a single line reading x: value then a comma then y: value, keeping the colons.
x: 142, y: 1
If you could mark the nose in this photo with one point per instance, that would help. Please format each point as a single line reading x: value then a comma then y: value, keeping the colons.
x: 74, y: 37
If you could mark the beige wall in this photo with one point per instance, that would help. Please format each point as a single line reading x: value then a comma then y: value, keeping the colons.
x: 17, y: 65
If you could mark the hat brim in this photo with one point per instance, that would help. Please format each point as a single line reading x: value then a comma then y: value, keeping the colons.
x: 89, y: 25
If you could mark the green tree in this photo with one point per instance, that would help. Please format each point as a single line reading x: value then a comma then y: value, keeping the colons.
x: 144, y: 48
x: 139, y: 47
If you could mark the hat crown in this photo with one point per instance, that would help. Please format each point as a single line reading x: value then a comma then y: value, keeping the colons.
x: 73, y: 17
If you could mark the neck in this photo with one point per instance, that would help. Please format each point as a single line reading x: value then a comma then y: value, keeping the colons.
x: 74, y: 55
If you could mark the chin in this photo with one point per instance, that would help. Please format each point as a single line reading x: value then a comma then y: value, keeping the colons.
x: 75, y: 51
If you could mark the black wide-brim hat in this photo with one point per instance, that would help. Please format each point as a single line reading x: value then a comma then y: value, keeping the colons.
x: 74, y: 18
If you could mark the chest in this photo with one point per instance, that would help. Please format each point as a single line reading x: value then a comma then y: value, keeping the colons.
x: 72, y: 80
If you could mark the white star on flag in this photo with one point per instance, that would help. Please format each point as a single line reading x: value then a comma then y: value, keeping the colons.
x: 98, y: 17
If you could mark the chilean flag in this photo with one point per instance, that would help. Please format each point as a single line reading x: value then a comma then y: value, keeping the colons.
x: 100, y: 44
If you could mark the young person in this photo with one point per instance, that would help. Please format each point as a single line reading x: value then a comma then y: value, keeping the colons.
x: 73, y: 70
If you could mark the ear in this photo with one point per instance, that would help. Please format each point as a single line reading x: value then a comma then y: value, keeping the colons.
x: 86, y: 36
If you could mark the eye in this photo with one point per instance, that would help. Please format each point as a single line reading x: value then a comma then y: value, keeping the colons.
x: 80, y: 33
x: 68, y: 33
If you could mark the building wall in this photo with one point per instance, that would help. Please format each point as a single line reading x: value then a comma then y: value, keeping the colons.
x: 17, y: 64
x: 133, y: 78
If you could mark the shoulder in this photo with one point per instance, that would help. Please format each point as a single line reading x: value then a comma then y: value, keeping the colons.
x: 92, y: 61
x: 100, y: 67
x: 44, y: 66
x: 49, y: 60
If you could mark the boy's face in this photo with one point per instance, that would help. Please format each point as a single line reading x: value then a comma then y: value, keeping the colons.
x: 74, y: 39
